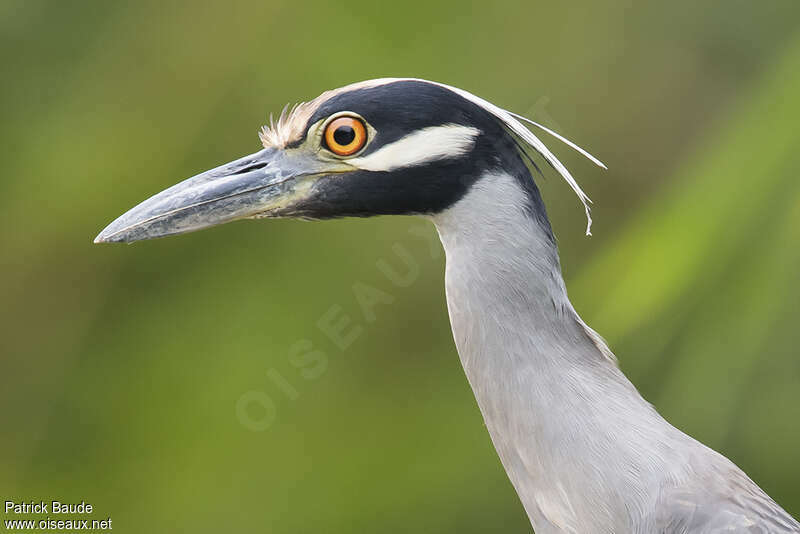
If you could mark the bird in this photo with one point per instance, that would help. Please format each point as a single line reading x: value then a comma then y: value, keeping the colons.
x: 585, y: 452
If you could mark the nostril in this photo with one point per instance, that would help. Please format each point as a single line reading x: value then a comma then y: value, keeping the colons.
x: 254, y: 167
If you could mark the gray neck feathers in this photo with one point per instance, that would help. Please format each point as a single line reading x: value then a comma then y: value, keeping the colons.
x: 570, y: 429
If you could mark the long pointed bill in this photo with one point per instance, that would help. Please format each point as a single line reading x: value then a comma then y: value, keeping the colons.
x: 259, y: 184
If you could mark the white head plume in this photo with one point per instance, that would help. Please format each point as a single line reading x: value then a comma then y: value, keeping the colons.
x: 510, y: 120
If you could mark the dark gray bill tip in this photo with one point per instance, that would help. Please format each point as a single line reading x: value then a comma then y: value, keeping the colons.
x: 112, y: 234
x: 121, y: 231
x: 103, y: 237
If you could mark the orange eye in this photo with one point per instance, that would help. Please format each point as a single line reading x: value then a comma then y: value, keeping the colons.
x: 345, y: 136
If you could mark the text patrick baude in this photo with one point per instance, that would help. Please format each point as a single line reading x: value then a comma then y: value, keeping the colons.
x: 53, y: 507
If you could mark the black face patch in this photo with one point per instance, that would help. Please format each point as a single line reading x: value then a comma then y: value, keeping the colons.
x: 396, y: 110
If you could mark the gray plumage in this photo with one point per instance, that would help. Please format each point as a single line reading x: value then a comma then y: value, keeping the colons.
x: 585, y: 452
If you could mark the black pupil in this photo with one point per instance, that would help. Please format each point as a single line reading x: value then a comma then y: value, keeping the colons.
x: 344, y: 135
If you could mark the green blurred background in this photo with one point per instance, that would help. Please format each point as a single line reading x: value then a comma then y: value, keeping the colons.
x: 133, y: 377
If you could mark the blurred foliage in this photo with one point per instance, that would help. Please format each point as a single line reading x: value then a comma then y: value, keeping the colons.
x: 122, y: 366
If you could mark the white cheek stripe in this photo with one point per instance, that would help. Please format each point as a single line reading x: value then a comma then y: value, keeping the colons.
x: 423, y: 146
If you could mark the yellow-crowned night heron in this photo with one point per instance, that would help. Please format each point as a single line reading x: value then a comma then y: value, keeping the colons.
x: 584, y: 451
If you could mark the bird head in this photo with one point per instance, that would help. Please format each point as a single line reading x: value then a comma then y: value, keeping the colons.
x: 380, y: 147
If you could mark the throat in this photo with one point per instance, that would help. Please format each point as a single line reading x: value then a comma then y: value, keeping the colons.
x: 550, y: 392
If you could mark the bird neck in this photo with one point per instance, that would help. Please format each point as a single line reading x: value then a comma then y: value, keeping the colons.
x: 556, y: 405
